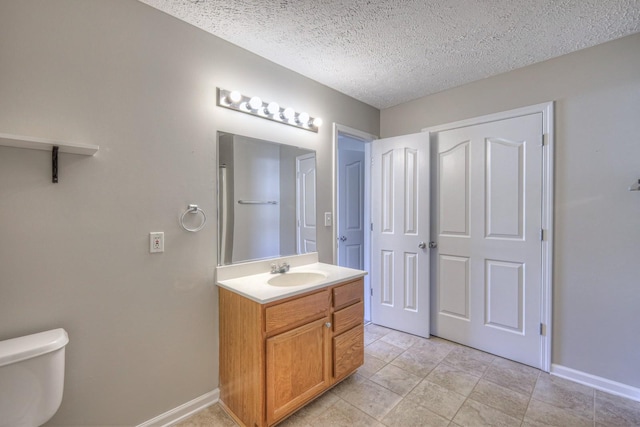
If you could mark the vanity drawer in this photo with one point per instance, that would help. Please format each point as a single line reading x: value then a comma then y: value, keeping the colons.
x: 348, y: 294
x: 297, y: 311
x: 348, y: 351
x: 348, y: 317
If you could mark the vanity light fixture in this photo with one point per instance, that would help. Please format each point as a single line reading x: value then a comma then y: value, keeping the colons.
x: 272, y: 108
x: 254, y: 105
x: 302, y: 118
x: 288, y: 114
x: 234, y: 97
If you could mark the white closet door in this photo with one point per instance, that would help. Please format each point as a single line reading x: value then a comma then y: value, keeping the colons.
x: 400, y: 216
x: 487, y: 267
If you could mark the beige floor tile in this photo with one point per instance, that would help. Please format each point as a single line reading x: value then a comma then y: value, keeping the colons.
x: 294, y: 421
x: 472, y: 361
x: 514, y: 366
x: 214, y: 415
x: 367, y: 396
x: 305, y: 415
x: 616, y: 411
x: 409, y: 414
x: 511, y: 375
x: 400, y: 339
x: 383, y: 350
x: 565, y: 394
x: 436, y: 398
x: 474, y: 413
x: 453, y: 379
x: 417, y: 361
x: 342, y: 414
x: 396, y: 379
x: 501, y: 398
x: 437, y: 347
x: 374, y: 332
x: 540, y: 413
x: 371, y: 366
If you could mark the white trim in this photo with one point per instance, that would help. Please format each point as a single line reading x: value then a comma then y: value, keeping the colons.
x: 547, y: 207
x: 509, y: 114
x: 183, y: 411
x: 547, y: 110
x: 599, y: 383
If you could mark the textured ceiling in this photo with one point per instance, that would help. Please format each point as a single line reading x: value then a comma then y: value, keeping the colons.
x: 386, y: 52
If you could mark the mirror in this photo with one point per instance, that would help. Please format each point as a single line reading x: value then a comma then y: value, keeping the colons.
x: 266, y: 199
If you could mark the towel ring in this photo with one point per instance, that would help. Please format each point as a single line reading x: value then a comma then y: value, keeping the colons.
x: 193, y: 209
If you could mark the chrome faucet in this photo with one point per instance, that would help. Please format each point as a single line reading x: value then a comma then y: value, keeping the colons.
x: 282, y: 268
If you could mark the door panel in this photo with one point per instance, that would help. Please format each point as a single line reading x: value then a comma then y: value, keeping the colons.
x: 505, y: 295
x: 400, y: 216
x: 454, y: 195
x: 306, y: 204
x: 350, y: 209
x: 488, y: 188
x: 505, y: 174
x: 411, y: 281
x: 454, y: 297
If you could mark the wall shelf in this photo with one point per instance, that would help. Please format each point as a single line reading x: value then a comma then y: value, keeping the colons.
x: 34, y: 143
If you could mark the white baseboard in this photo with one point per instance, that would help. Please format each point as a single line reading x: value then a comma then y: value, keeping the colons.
x: 183, y: 411
x: 598, y: 383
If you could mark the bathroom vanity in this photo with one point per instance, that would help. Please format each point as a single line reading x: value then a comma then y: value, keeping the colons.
x: 283, y: 345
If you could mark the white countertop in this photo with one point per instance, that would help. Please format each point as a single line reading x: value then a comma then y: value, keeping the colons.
x: 255, y: 286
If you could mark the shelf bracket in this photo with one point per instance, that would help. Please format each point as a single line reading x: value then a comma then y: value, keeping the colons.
x: 54, y: 164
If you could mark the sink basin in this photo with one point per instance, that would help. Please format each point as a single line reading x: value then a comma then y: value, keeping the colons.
x: 296, y: 279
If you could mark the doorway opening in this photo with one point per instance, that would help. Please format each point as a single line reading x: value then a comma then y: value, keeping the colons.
x: 351, y: 199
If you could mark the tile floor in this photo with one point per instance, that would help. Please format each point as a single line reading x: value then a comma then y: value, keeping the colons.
x: 411, y: 381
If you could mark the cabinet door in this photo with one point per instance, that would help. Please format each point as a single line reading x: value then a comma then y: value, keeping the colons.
x: 348, y: 352
x: 297, y: 367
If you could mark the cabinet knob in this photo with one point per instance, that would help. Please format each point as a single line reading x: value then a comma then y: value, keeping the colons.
x: 328, y: 324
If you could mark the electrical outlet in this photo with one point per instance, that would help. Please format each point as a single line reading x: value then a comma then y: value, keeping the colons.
x: 156, y: 242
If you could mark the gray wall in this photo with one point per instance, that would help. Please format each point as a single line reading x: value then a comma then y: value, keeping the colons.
x: 597, y: 220
x: 141, y: 85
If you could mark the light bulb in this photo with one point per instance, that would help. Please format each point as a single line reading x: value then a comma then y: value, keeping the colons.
x: 234, y: 97
x: 288, y: 113
x: 255, y: 103
x: 273, y: 108
x: 303, y: 118
x: 317, y: 122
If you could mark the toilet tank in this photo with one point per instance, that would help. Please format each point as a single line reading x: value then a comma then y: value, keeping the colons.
x: 31, y: 378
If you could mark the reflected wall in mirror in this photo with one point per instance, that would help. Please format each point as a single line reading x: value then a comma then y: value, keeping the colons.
x: 266, y: 199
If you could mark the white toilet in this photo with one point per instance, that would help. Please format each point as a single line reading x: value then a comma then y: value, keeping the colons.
x: 31, y: 378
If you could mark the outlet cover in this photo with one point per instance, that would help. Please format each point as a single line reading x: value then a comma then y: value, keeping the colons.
x: 156, y: 242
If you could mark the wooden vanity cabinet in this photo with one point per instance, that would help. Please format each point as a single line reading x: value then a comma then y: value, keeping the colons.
x: 276, y: 357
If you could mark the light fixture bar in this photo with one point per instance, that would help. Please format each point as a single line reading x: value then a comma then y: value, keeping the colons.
x: 255, y: 106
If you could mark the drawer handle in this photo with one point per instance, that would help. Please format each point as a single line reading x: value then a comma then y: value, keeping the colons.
x: 328, y: 324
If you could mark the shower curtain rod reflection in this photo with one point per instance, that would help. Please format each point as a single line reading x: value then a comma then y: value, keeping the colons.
x: 257, y: 202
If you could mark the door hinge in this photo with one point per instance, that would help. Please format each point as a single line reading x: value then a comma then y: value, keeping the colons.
x: 541, y: 329
x: 542, y: 234
x: 371, y: 226
x: 371, y: 291
x: 543, y: 138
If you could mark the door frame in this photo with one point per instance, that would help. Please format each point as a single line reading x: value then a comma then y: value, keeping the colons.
x: 546, y: 297
x: 366, y: 139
